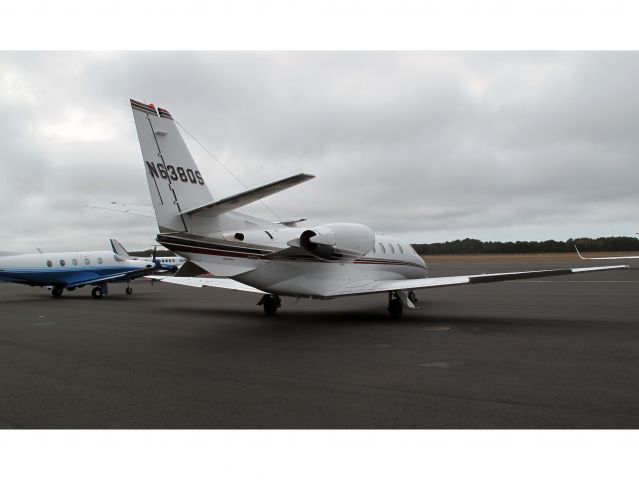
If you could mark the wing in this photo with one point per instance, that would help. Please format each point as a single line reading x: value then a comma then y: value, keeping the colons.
x: 373, y: 286
x: 117, y: 277
x: 141, y: 210
x: 604, y: 258
x: 200, y: 282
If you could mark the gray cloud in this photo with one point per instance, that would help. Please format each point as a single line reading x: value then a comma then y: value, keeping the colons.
x: 430, y: 146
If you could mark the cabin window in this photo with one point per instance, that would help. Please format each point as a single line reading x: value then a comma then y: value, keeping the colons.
x: 86, y: 261
x: 74, y: 262
x: 62, y: 263
x: 49, y: 263
x: 239, y: 236
x: 401, y: 250
x: 391, y: 247
x: 100, y: 260
x: 382, y: 248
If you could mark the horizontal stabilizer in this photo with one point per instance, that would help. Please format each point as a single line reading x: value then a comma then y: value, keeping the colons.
x: 250, y: 196
x: 141, y: 210
x: 292, y: 223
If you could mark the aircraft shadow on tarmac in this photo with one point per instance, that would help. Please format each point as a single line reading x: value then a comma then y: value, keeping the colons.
x: 376, y: 316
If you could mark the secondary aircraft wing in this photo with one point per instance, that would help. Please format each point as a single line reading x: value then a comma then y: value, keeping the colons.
x: 117, y: 277
x: 199, y: 282
x: 372, y: 286
x: 141, y: 210
x: 604, y: 258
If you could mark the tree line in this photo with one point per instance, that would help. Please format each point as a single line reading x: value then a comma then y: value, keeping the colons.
x: 149, y: 253
x: 471, y: 245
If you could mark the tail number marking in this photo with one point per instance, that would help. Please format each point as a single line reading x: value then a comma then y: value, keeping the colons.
x: 158, y: 170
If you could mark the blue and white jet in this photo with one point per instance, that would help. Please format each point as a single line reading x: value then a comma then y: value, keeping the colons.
x: 73, y: 270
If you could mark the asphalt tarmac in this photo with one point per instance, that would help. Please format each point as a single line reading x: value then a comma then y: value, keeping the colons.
x: 561, y: 352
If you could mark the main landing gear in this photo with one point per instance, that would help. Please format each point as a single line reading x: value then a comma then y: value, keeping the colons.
x: 270, y: 303
x: 398, y: 299
x: 100, y: 290
x: 57, y: 291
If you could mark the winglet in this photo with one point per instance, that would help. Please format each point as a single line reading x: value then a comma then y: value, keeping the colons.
x: 579, y: 253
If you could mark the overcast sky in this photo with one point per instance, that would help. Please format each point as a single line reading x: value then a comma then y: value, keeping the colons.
x: 427, y: 146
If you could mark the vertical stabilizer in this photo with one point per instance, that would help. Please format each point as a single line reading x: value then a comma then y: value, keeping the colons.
x: 118, y: 249
x: 175, y: 183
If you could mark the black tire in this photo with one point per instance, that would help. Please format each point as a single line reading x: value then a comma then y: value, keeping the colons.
x: 129, y: 290
x: 395, y: 308
x: 96, y: 292
x: 57, y: 291
x: 270, y: 305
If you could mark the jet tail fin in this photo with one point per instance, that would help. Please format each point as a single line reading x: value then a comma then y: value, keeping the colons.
x: 181, y: 198
x: 175, y: 183
x: 118, y: 249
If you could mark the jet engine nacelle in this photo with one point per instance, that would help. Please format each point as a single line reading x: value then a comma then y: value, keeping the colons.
x: 338, y: 241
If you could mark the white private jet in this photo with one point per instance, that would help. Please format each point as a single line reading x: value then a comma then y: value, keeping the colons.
x: 169, y: 264
x: 71, y: 270
x: 251, y: 254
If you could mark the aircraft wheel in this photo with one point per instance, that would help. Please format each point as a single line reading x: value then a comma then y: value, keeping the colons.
x: 129, y: 290
x: 96, y: 292
x: 271, y: 303
x: 57, y: 291
x: 395, y: 308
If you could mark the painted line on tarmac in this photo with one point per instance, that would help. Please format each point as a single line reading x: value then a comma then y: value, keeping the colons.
x: 578, y: 281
